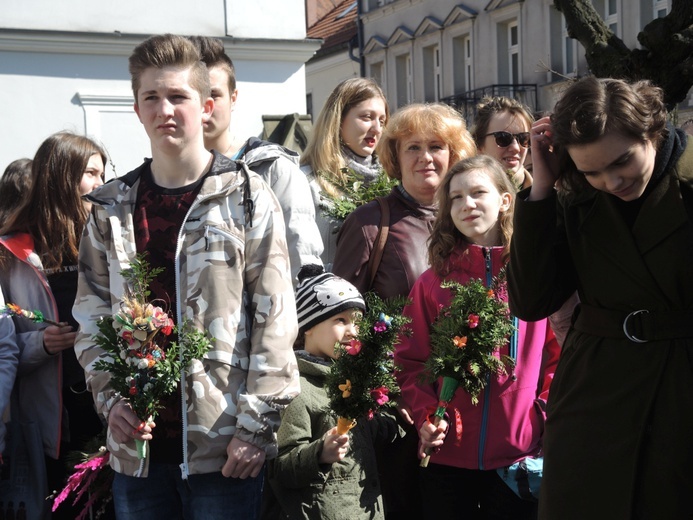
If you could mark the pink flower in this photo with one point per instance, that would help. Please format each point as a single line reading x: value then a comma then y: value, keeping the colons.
x: 380, y: 395
x: 384, y: 321
x: 161, y: 320
x: 353, y: 347
x: 473, y: 321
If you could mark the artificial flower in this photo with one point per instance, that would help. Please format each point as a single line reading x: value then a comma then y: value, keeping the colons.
x: 353, y: 347
x: 460, y: 342
x: 346, y: 389
x: 380, y: 395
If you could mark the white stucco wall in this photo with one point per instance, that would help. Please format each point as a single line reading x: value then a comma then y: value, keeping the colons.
x: 324, y: 74
x: 273, y: 19
x: 67, y: 69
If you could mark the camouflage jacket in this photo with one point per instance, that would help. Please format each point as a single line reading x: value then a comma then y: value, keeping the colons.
x: 233, y: 280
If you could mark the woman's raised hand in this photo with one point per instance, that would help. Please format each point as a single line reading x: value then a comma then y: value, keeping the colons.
x: 545, y: 169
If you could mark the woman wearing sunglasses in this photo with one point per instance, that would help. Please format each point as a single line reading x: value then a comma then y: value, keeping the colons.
x: 501, y: 130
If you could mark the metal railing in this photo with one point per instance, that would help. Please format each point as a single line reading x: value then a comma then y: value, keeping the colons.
x: 466, y: 103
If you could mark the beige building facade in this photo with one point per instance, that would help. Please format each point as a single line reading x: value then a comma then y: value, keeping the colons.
x: 457, y: 52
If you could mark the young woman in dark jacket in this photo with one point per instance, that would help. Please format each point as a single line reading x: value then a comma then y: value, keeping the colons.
x: 618, y: 230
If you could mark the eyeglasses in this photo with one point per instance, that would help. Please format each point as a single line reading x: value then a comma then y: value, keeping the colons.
x: 504, y: 139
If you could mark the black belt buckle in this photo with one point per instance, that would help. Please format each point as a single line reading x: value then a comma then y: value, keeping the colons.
x: 625, y: 326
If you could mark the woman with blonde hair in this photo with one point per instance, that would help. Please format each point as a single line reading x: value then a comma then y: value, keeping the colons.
x: 381, y: 247
x: 342, y: 145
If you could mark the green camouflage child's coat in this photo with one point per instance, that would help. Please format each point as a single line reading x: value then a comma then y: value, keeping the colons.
x: 233, y: 280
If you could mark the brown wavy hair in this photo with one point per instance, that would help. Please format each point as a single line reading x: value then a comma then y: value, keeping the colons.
x: 593, y: 107
x: 431, y: 119
x: 445, y: 237
x: 53, y: 213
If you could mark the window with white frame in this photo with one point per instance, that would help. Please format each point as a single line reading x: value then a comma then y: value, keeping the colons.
x: 463, y: 65
x: 376, y: 73
x: 404, y: 79
x: 468, y: 63
x: 569, y: 51
x: 513, y: 52
x: 660, y: 8
x: 432, y: 73
x: 611, y: 15
x: 508, y: 50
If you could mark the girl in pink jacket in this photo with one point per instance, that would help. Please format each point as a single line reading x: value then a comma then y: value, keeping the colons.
x: 473, y: 446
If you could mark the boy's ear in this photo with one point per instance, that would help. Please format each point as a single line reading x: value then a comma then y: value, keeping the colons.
x: 137, y: 111
x: 234, y: 98
x: 207, y: 109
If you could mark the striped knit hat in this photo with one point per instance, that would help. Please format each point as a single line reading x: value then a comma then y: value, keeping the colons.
x: 320, y: 295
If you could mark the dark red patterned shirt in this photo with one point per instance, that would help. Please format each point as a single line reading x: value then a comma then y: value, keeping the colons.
x: 159, y: 214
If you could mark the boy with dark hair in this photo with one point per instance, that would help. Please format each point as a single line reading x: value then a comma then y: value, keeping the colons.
x: 216, y: 231
x: 278, y: 166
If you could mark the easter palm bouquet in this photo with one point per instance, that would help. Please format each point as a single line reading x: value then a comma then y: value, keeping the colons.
x: 142, y: 367
x: 353, y: 192
x: 361, y: 380
x: 466, y: 338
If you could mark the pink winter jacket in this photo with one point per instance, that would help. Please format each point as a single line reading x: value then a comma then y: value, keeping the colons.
x: 507, y: 423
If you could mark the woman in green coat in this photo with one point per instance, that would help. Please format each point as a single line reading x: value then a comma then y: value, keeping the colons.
x: 609, y: 215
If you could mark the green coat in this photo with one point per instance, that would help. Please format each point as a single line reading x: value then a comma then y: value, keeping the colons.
x: 619, y: 431
x: 347, y: 490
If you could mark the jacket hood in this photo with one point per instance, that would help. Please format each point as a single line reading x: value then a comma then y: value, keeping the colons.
x: 257, y: 151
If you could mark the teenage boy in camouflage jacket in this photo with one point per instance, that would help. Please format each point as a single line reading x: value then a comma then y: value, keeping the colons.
x: 217, y: 230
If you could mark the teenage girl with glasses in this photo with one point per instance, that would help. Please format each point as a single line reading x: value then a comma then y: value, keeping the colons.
x: 501, y: 130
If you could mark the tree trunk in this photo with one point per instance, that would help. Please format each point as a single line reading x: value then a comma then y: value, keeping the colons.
x: 666, y: 56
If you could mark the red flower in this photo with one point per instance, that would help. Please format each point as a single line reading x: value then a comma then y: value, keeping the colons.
x: 473, y: 321
x: 353, y: 347
x: 380, y: 395
x: 127, y: 336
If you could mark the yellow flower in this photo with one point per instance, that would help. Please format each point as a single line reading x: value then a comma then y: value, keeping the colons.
x: 346, y: 389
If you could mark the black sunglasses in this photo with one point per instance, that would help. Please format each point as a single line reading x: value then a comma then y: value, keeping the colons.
x: 504, y: 139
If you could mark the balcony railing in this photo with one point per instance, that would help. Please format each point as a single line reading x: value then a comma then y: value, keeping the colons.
x: 466, y: 102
